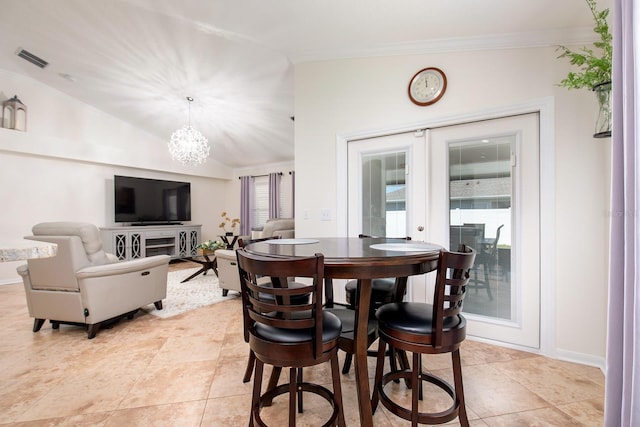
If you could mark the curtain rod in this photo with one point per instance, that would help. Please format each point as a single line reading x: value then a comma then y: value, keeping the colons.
x: 258, y: 176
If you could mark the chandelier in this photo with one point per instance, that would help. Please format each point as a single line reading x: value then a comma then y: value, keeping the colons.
x: 187, y: 145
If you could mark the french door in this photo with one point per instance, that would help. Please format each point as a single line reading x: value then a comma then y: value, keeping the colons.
x: 474, y: 183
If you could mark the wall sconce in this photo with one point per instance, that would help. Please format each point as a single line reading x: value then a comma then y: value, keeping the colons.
x: 14, y: 114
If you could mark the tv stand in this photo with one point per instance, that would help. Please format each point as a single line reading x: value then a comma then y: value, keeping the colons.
x: 139, y: 241
x: 154, y: 224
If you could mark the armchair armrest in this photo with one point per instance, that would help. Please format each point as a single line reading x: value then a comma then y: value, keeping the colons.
x: 122, y: 267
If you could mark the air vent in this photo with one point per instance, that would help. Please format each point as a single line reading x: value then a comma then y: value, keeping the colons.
x: 32, y: 58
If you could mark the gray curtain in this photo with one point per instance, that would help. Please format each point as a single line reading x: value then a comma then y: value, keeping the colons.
x: 274, y: 195
x: 622, y: 391
x: 245, y: 205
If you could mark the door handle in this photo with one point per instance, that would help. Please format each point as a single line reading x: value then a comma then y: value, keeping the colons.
x: 420, y: 228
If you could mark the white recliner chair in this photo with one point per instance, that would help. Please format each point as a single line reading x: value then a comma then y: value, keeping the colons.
x: 280, y: 227
x: 83, y: 285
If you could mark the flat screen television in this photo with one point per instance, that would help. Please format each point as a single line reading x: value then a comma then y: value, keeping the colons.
x: 143, y: 201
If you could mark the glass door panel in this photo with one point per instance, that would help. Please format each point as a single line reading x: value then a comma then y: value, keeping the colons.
x: 383, y: 194
x: 480, y: 187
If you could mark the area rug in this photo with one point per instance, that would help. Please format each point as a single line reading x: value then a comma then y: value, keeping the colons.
x: 182, y: 297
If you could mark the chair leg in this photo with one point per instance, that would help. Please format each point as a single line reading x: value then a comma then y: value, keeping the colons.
x: 299, y: 384
x: 404, y: 364
x: 416, y: 373
x: 273, y: 383
x: 337, y: 388
x: 392, y: 362
x: 347, y: 363
x: 487, y: 269
x: 378, y: 378
x: 249, y: 370
x: 293, y: 381
x: 419, y: 385
x: 92, y: 330
x: 37, y: 324
x: 257, y: 386
x: 457, y: 381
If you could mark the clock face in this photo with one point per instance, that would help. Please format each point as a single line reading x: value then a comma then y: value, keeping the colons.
x: 427, y: 86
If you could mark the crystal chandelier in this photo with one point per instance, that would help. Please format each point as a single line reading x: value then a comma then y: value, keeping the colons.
x: 187, y: 145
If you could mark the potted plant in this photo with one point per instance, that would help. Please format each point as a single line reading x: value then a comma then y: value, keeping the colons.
x: 594, y: 68
x: 210, y: 246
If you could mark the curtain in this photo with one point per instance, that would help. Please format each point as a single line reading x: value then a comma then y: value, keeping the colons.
x: 622, y: 390
x: 274, y: 195
x: 245, y: 205
x: 293, y: 193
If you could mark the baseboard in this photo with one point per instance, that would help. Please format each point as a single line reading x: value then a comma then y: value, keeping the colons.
x: 9, y: 282
x: 567, y: 356
x: 582, y: 358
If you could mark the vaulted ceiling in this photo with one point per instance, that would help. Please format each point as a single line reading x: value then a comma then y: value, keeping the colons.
x: 138, y: 60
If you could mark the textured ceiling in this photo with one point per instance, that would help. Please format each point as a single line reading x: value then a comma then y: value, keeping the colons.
x: 139, y: 59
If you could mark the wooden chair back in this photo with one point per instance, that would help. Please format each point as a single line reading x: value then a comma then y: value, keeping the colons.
x: 451, y: 283
x: 279, y: 311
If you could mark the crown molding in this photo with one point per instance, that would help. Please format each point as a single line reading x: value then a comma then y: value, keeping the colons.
x: 569, y: 36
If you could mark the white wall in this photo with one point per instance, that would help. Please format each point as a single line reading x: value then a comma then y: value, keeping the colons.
x: 359, y: 95
x: 62, y: 168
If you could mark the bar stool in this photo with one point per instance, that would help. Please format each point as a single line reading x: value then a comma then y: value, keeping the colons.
x: 283, y: 334
x: 383, y: 291
x: 427, y: 329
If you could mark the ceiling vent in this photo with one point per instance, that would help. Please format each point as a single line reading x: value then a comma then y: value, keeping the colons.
x: 31, y: 58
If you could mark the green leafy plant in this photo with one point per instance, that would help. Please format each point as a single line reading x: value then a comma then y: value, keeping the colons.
x: 211, y: 245
x: 594, y: 66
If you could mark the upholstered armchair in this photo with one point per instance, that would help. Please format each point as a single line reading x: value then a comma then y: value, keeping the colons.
x: 85, y: 286
x: 228, y: 276
x: 281, y: 227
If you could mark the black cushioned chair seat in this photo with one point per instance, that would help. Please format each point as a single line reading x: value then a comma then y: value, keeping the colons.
x: 379, y: 285
x: 381, y: 291
x: 348, y: 319
x: 331, y: 328
x: 414, y: 318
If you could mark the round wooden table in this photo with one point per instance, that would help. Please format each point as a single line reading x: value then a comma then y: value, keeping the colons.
x: 363, y: 259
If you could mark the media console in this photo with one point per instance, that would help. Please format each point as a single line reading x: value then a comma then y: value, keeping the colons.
x: 177, y: 241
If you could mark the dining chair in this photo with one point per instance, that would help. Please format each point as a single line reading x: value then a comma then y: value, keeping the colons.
x: 383, y: 290
x: 487, y: 258
x: 422, y: 328
x: 302, y: 299
x: 284, y: 334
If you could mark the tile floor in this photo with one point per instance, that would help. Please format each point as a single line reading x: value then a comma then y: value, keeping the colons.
x: 187, y: 371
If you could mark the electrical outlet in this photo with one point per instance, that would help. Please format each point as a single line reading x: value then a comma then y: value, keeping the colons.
x: 325, y: 214
x: 305, y: 214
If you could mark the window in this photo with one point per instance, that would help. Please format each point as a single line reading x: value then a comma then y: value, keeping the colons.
x: 260, y: 212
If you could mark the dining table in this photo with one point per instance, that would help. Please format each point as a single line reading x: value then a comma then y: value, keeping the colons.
x: 363, y: 259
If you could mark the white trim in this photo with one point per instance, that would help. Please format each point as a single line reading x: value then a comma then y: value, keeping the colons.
x: 570, y: 36
x: 545, y: 107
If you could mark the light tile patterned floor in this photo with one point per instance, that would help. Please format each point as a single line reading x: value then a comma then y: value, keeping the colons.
x: 187, y: 371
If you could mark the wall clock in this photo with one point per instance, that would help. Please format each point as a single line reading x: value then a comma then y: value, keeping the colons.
x: 427, y: 86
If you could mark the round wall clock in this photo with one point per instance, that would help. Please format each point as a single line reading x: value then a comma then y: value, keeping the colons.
x: 427, y: 86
